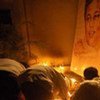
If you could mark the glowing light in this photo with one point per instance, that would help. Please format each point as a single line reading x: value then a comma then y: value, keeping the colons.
x: 73, y: 80
x: 45, y: 64
x: 83, y: 68
x: 69, y: 94
x: 75, y: 69
x: 60, y: 69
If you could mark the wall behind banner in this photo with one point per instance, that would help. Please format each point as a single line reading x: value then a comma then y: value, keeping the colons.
x: 47, y: 26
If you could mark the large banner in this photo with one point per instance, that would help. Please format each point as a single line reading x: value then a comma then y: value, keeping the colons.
x: 86, y: 51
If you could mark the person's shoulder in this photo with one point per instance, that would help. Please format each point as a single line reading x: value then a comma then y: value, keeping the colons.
x: 97, y: 79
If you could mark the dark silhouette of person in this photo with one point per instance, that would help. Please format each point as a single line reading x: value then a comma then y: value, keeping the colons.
x: 43, y: 83
x: 90, y: 73
x: 88, y: 90
x: 9, y: 87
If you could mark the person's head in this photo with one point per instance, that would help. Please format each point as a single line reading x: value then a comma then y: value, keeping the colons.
x: 92, y: 22
x: 12, y: 66
x: 90, y: 73
x: 88, y: 90
x: 9, y: 87
x: 35, y: 87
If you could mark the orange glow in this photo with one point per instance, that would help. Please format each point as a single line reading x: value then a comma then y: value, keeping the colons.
x: 73, y: 81
x: 62, y: 69
x: 57, y: 65
x: 69, y: 94
x: 44, y: 63
x: 79, y: 70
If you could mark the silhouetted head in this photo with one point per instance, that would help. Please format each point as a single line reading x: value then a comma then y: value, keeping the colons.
x: 37, y: 90
x: 90, y: 73
x: 88, y: 90
x: 36, y: 86
x: 43, y: 83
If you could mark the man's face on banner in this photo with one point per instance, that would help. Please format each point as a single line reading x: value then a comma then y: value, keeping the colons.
x: 92, y: 19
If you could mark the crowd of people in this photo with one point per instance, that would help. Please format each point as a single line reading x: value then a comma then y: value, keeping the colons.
x: 17, y: 82
x: 21, y: 82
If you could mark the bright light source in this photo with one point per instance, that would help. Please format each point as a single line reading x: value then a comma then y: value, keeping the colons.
x: 69, y: 94
x: 60, y: 69
x: 73, y: 80
x: 45, y: 64
x: 75, y: 69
